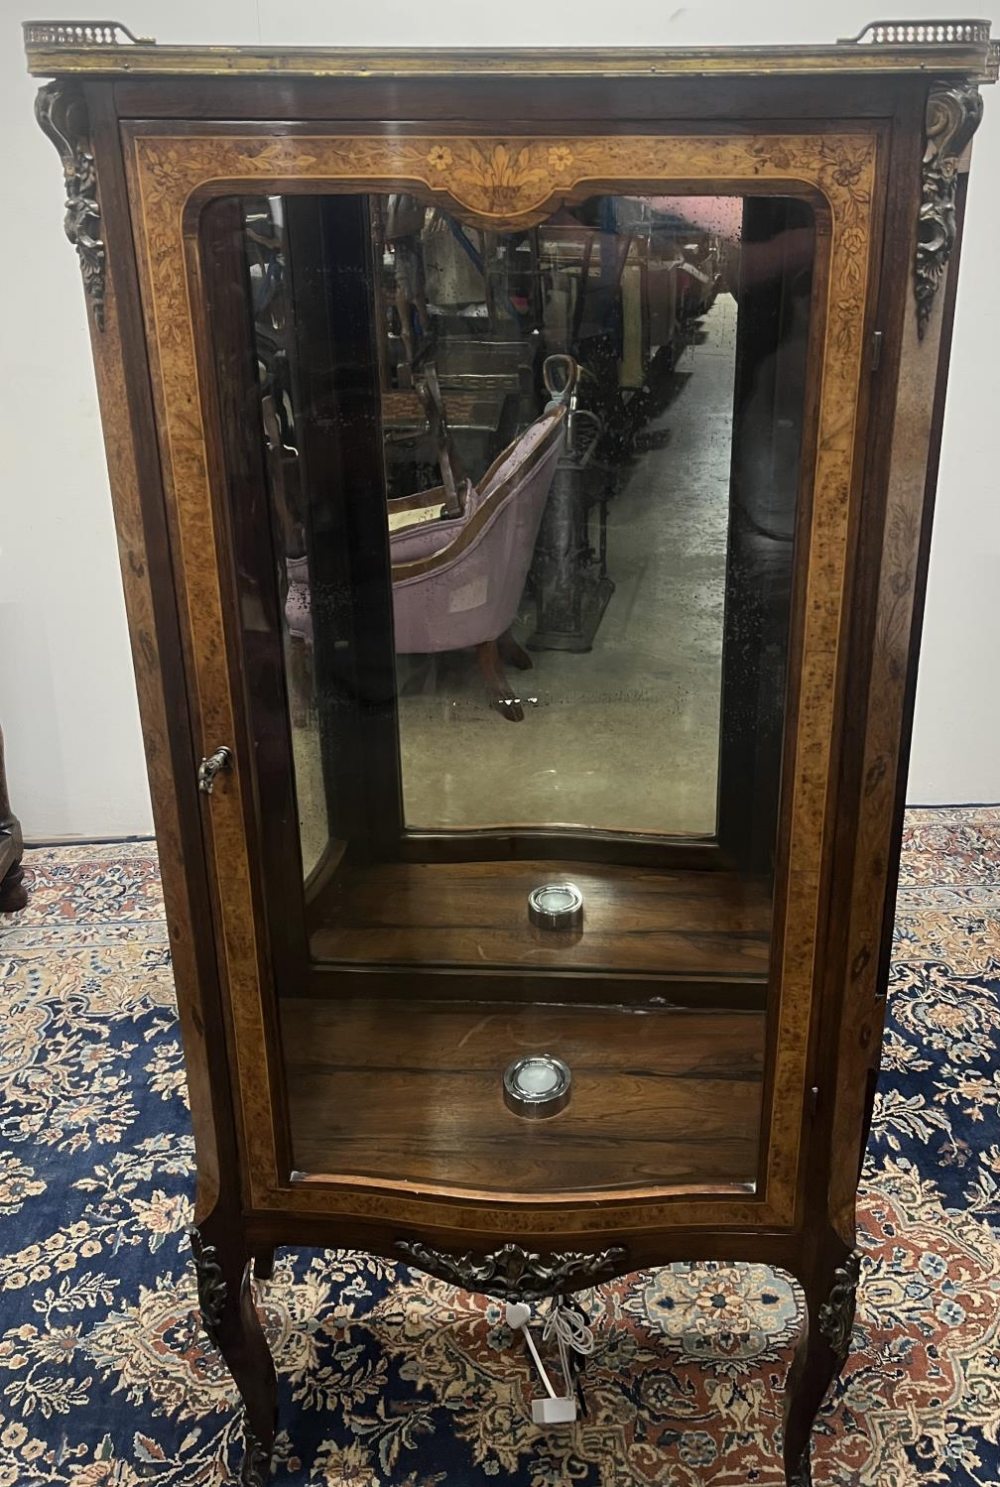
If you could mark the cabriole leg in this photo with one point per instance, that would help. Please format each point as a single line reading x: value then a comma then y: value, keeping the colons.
x: 831, y: 1297
x: 223, y: 1268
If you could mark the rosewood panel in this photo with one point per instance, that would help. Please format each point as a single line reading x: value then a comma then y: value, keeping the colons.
x: 475, y: 914
x: 900, y: 551
x: 496, y: 102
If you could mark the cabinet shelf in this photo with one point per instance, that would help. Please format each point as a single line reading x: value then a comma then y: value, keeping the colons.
x: 410, y: 1091
x: 636, y: 921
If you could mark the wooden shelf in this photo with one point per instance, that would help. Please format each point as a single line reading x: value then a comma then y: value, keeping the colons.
x: 410, y: 1092
x: 636, y: 920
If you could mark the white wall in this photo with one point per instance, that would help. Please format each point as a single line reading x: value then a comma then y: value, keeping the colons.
x: 67, y: 700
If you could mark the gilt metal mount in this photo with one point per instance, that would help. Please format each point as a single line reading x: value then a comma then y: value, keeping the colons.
x: 73, y: 34
x: 211, y: 1285
x: 836, y: 1315
x: 513, y: 1273
x: 953, y: 115
x: 921, y: 33
x: 62, y: 114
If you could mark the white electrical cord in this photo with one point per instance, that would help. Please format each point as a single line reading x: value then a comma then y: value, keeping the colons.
x: 569, y: 1329
x: 542, y: 1374
x: 517, y: 1321
x: 571, y: 1332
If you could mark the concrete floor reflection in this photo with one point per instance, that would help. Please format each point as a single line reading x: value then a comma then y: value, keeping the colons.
x: 625, y: 736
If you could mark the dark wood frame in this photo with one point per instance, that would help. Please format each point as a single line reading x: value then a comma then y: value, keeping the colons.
x: 901, y: 88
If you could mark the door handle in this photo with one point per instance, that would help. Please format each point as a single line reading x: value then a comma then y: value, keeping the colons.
x: 210, y: 767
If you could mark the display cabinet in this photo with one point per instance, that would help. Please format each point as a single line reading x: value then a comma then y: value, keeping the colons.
x: 523, y: 466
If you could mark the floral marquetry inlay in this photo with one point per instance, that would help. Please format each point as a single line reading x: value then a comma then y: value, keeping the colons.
x: 504, y: 183
x: 514, y: 182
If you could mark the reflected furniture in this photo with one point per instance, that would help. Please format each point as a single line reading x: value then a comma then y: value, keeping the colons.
x: 482, y: 554
x: 13, y: 894
x: 571, y: 581
x: 356, y: 879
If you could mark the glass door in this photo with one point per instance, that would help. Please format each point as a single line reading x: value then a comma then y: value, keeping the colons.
x: 514, y: 519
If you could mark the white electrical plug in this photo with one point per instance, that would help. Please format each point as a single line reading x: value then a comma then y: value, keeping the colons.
x: 558, y: 1411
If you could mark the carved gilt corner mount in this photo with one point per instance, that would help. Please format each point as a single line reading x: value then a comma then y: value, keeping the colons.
x: 836, y: 1315
x: 62, y: 114
x: 211, y: 1285
x: 953, y: 115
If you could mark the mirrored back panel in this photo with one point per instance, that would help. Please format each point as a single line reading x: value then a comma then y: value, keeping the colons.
x: 581, y: 444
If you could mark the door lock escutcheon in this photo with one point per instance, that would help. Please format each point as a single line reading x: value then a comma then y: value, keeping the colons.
x: 210, y: 767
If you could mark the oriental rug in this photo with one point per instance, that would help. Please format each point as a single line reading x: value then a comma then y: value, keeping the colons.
x: 389, y: 1379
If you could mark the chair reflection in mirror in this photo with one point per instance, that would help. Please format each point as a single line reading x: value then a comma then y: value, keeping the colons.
x: 457, y: 580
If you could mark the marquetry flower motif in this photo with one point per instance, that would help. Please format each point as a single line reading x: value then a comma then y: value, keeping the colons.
x: 510, y: 178
x: 854, y: 242
x: 848, y: 169
x: 439, y: 157
x: 846, y: 324
x: 772, y: 152
x: 162, y: 167
x: 560, y: 157
x: 282, y: 155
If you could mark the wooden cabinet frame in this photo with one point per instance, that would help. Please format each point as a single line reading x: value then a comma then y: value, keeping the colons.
x: 874, y: 133
x: 170, y: 177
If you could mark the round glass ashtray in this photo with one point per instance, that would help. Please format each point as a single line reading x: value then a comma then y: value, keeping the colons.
x: 556, y: 906
x: 536, y: 1085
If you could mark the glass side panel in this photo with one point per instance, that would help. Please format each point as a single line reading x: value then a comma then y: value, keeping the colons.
x: 514, y: 518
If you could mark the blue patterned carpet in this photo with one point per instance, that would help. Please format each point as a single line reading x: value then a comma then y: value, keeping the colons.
x: 392, y: 1380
